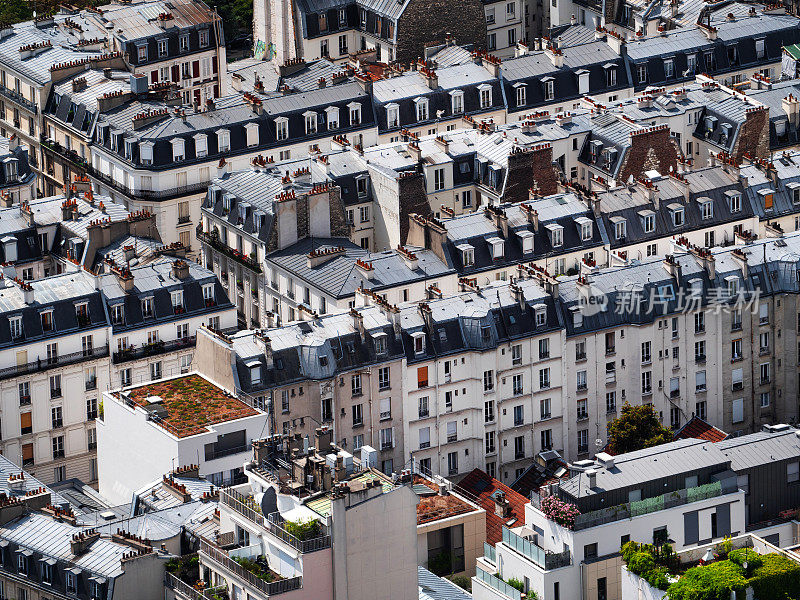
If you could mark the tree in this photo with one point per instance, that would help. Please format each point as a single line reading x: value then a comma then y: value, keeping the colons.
x: 637, y: 427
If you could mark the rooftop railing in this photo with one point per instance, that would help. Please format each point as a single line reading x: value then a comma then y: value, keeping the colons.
x: 544, y: 559
x: 184, y: 590
x: 498, y: 584
x: 160, y: 347
x: 221, y: 558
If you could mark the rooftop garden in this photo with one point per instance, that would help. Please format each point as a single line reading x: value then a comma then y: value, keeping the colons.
x: 191, y: 404
x: 258, y: 567
x: 187, y: 570
x: 772, y: 576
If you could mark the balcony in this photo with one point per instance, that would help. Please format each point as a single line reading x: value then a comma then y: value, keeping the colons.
x: 214, y: 241
x: 274, y: 523
x: 647, y: 505
x: 161, y: 347
x: 544, y: 559
x: 58, y: 361
x: 25, y: 400
x: 184, y: 591
x: 67, y: 154
x: 91, y: 384
x: 18, y: 98
x: 212, y: 454
x: 174, y: 192
x: 221, y: 560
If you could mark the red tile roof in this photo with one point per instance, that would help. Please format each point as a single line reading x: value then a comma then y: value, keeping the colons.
x: 699, y: 429
x: 479, y: 487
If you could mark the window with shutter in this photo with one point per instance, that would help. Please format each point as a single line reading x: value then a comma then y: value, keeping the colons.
x: 422, y: 377
x: 738, y: 410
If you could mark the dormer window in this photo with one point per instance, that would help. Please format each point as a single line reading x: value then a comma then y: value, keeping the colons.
x: 677, y: 215
x: 583, y: 81
x: 642, y: 73
x: 496, y: 247
x: 129, y: 149
x: 208, y: 294
x: 162, y: 48
x: 669, y: 68
x: 380, y: 343
x: 392, y: 115
x: 767, y: 197
x: 485, y: 95
x: 46, y: 318
x: 760, y: 52
x: 526, y: 237
x: 549, y: 88
x: 556, y: 233
x: 522, y: 94
x: 282, y: 128
x: 620, y: 227
x: 254, y: 366
x: 467, y: 254
x: 540, y: 314
x: 224, y: 140
x: 311, y: 122
x: 648, y: 221
x: 419, y: 342
x: 147, y: 307
x: 735, y: 199
x: 177, y: 300
x: 15, y: 324
x: 355, y: 113
x: 183, y: 42
x: 611, y: 74
x: 251, y: 130
x: 178, y: 151
x: 733, y: 285
x: 200, y: 145
x: 422, y: 109
x: 204, y: 38
x: 706, y: 208
x: 457, y: 102
x: 118, y: 314
x: 733, y: 55
x: 584, y: 228
x: 142, y: 52
x: 332, y: 114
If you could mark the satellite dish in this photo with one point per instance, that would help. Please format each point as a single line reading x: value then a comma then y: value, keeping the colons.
x: 269, y: 501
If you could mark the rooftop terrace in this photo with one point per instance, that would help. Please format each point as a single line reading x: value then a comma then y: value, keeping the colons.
x: 186, y: 406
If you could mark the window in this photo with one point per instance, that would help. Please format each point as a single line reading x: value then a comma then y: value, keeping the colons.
x: 764, y: 369
x: 16, y: 327
x: 517, y: 384
x: 311, y: 122
x: 438, y: 179
x: 544, y: 348
x: 583, y: 409
x: 519, y: 415
x: 490, y: 446
x: 24, y: 393
x: 142, y: 53
x: 669, y: 68
x: 423, y: 407
x: 155, y: 370
x: 358, y: 414
x: 700, y: 351
x: 583, y: 441
x: 46, y: 320
x: 383, y: 378
x: 125, y: 377
x: 677, y: 217
x: 55, y: 386
x: 387, y: 438
x: 700, y: 381
x: 590, y: 551
x: 424, y: 438
x: 355, y: 384
x: 57, y: 417
x: 544, y: 378
x: 793, y: 472
x: 457, y: 102
x: 117, y: 314
x: 485, y: 91
x: 700, y: 409
x: 488, y: 381
x: 521, y: 96
x: 342, y: 45
x: 355, y: 113
x: 282, y: 128
x: 519, y: 447
x: 452, y: 463
x: 737, y: 410
x: 580, y: 380
x: 646, y: 353
x: 611, y: 402
x: 649, y: 223
x: 71, y: 581
x: 422, y: 109
x: 91, y: 409
x: 764, y: 399
x: 580, y: 350
x: 422, y: 377
x: 699, y: 322
x: 516, y: 354
x: 488, y: 411
x: 162, y: 48
x: 452, y: 431
x: 549, y: 90
x: 546, y: 439
x: 203, y: 38
x: 58, y: 447
x: 736, y: 349
x: 647, y: 383
x: 642, y: 72
x: 386, y: 408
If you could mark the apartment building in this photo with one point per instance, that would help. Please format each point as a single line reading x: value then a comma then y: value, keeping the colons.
x: 175, y: 420
x: 505, y: 26
x: 288, y: 30
x: 161, y: 160
x: 183, y: 45
x: 47, y: 550
x: 689, y: 492
x: 17, y: 179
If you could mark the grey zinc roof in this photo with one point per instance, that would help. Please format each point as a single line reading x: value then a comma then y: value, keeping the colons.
x: 451, y: 55
x: 43, y: 534
x: 633, y: 468
x: 433, y: 587
x: 340, y: 277
x: 139, y: 19
x: 30, y: 483
x: 72, y: 284
x: 156, y: 275
x: 760, y: 448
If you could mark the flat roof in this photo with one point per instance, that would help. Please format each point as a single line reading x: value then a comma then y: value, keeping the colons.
x: 189, y: 404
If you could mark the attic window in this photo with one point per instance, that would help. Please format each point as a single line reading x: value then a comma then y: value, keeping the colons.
x: 178, y: 152
x: 733, y: 285
x: 620, y: 228
x: 540, y: 312
x: 648, y: 220
x: 584, y: 228
x: 333, y: 117
x: 255, y: 372
x: 200, y: 145
x: 526, y: 237
x: 223, y: 140
x: 311, y: 122
x: 556, y: 233
x: 485, y: 95
x: 677, y: 215
x: 767, y: 195
x: 323, y: 360
x: 380, y: 343
x: 422, y: 109
x: 496, y: 246
x: 706, y: 208
x: 419, y: 342
x: 392, y: 115
x: 549, y: 88
x: 467, y: 254
x: 252, y: 134
x: 735, y: 200
x: 457, y: 102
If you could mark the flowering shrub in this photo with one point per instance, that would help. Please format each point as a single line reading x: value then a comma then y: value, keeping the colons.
x: 559, y: 511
